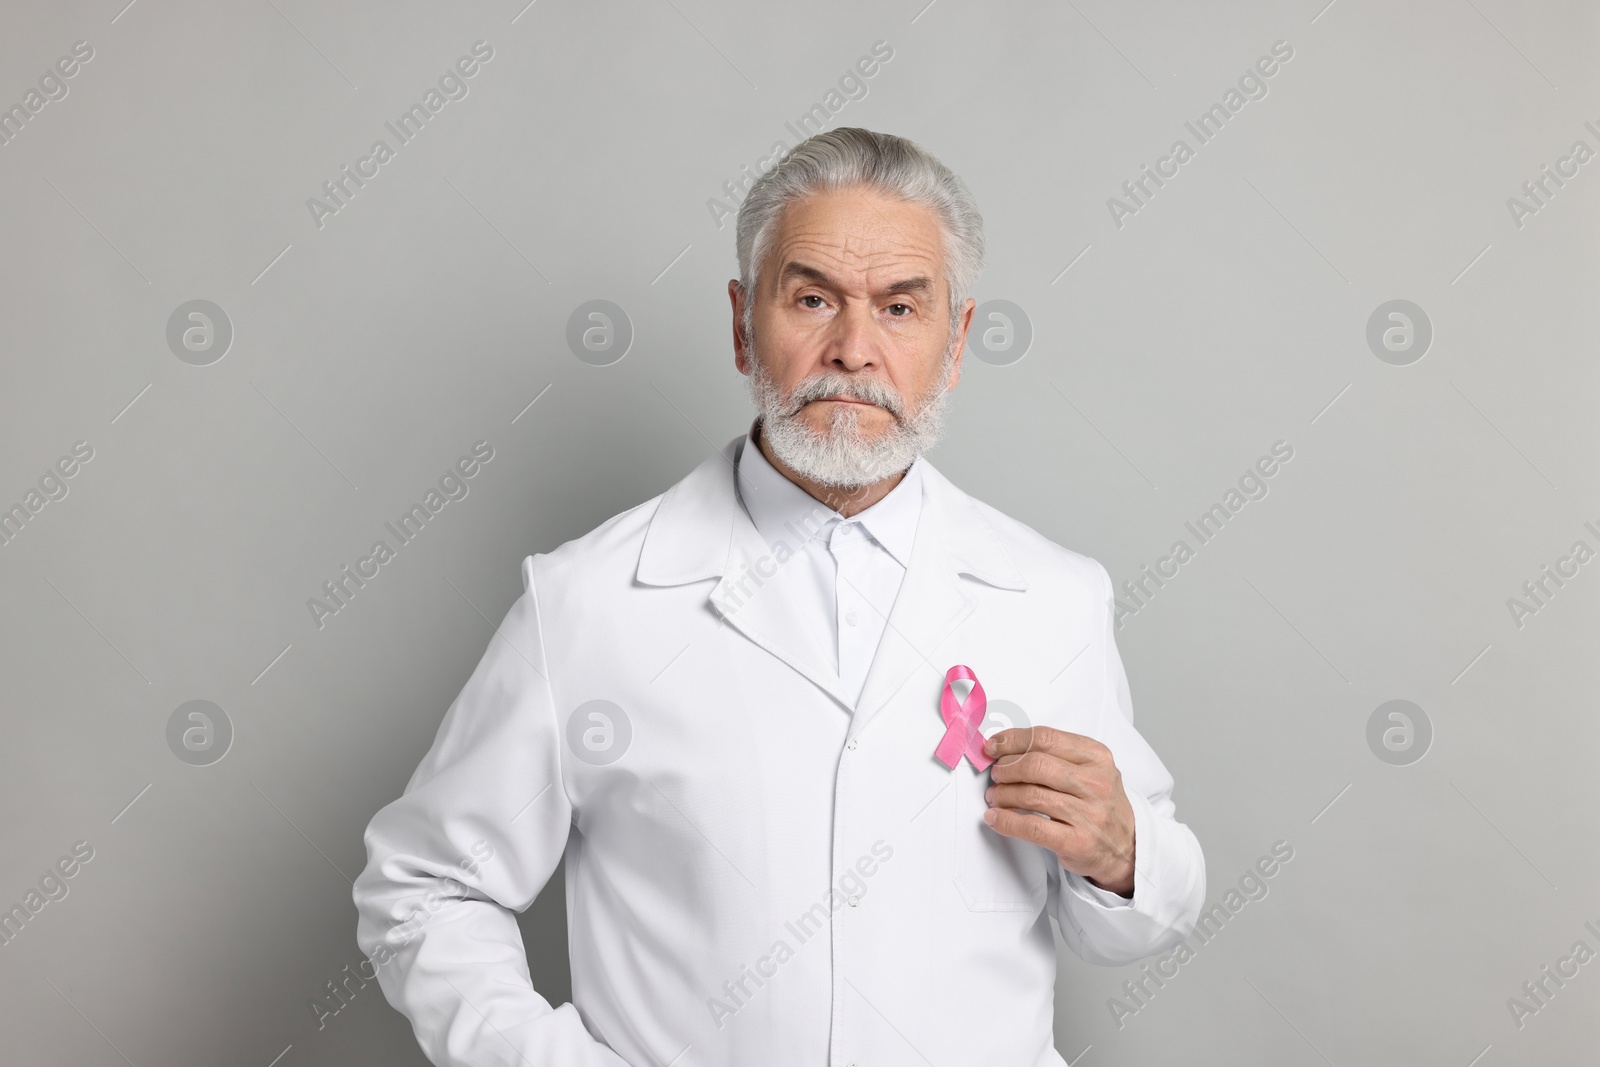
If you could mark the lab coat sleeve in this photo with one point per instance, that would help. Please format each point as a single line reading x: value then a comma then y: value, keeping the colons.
x: 1169, y: 873
x: 475, y: 836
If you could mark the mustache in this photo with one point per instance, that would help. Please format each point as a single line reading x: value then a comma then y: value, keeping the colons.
x: 869, y: 390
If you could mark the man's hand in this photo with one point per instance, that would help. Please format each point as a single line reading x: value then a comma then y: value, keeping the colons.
x: 1071, y: 779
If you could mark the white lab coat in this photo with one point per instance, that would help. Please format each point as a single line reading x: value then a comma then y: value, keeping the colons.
x: 758, y: 873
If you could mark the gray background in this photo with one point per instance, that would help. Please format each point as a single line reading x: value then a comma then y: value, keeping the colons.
x: 369, y: 354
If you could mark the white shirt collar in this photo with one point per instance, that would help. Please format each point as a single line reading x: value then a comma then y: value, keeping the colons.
x: 782, y: 511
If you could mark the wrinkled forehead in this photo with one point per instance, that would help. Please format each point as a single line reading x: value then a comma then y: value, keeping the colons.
x: 858, y: 240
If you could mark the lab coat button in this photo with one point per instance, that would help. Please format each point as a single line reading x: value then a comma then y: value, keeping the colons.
x: 850, y: 617
x: 851, y: 744
x: 853, y: 901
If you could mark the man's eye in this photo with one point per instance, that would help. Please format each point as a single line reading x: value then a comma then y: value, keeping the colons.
x: 811, y: 296
x: 906, y: 306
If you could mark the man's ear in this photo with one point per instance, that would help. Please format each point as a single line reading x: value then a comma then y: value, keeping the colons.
x: 961, y: 341
x: 736, y: 298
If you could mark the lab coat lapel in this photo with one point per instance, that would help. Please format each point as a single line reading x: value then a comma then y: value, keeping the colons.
x: 701, y: 531
x: 763, y: 612
x: 930, y: 605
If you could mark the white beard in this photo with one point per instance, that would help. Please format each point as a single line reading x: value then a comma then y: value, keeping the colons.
x: 845, y: 455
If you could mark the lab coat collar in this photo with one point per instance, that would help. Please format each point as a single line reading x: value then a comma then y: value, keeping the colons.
x: 699, y: 531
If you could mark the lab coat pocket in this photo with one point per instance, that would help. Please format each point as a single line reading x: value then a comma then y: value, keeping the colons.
x: 992, y: 872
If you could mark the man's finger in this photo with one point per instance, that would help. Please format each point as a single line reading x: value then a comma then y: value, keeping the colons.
x: 1042, y: 769
x: 1074, y: 748
x: 1045, y: 833
x: 1059, y: 806
x: 1071, y: 846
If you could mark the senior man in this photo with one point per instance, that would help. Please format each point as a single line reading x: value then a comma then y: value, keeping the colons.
x: 749, y: 711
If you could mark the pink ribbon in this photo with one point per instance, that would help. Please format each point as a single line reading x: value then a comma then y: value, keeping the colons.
x: 961, y: 722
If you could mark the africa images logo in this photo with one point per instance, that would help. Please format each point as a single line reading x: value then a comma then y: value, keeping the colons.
x: 1136, y: 593
x: 454, y: 484
x: 852, y: 86
x: 342, y: 188
x: 1252, y: 85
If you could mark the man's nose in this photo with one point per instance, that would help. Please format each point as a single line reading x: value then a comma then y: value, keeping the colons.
x: 853, y: 342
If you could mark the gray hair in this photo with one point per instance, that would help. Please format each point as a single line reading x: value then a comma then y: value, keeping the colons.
x: 850, y: 156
